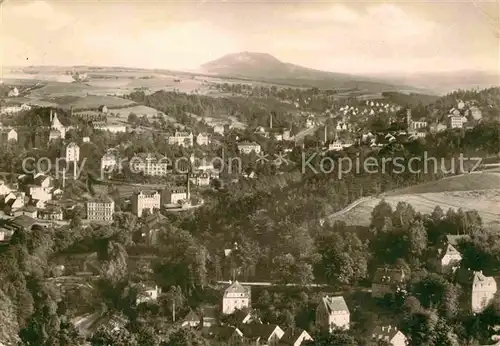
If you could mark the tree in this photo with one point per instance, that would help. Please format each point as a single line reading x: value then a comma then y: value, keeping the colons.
x: 104, y: 337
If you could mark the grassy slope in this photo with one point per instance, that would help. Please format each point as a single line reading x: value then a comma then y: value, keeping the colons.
x: 472, y: 191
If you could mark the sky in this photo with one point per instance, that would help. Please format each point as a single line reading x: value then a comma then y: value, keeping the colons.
x: 350, y: 37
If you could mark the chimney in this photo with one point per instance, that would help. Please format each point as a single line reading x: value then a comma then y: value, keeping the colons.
x: 326, y: 134
x: 51, y: 116
x: 271, y: 121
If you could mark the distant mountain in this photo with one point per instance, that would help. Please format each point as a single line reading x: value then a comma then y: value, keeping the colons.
x: 265, y: 67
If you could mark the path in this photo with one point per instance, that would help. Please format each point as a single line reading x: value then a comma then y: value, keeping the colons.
x: 348, y: 208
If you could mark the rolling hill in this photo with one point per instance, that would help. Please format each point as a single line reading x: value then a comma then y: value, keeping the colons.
x: 265, y: 67
x: 479, y: 192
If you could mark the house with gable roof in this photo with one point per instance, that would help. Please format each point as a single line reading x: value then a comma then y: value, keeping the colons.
x: 391, y: 335
x: 261, y: 334
x: 332, y: 312
x: 236, y: 296
x: 483, y: 290
x: 295, y: 337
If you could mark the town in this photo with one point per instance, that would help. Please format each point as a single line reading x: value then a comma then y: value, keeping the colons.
x: 153, y: 207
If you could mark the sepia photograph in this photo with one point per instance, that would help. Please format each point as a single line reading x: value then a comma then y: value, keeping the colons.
x: 249, y: 173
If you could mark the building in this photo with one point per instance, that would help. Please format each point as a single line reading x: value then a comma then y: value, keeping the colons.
x: 332, y: 312
x: 72, y: 152
x: 262, y: 334
x: 225, y: 335
x: 101, y: 208
x: 335, y: 146
x: 202, y: 139
x: 456, y: 121
x: 9, y: 135
x: 200, y: 179
x: 236, y: 296
x: 148, y: 293
x: 174, y: 195
x: 287, y: 135
x: 15, y: 200
x: 483, y: 291
x: 249, y: 147
x: 149, y: 165
x: 183, y: 139
x: 86, y: 139
x: 52, y: 213
x: 414, y: 125
x: 13, y: 109
x: 387, y: 281
x: 102, y: 109
x: 109, y: 127
x: 391, y: 335
x: 14, y: 92
x: 109, y: 161
x: 145, y: 200
x: 4, y: 189
x: 27, y: 211
x: 57, y: 130
x: 219, y: 129
x: 191, y: 320
x: 449, y: 257
x: 295, y: 337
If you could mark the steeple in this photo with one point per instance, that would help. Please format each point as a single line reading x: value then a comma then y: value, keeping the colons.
x: 408, y: 118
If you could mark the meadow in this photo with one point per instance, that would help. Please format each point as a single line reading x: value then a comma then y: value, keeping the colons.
x: 479, y: 192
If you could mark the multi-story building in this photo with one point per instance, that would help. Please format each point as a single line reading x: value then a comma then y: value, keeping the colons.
x: 149, y: 165
x: 332, y: 312
x: 72, y: 152
x: 236, y: 296
x: 14, y: 109
x: 202, y: 139
x: 101, y: 208
x: 184, y: 139
x: 174, y: 195
x: 14, y: 92
x: 145, y: 200
x: 483, y: 291
x: 248, y: 147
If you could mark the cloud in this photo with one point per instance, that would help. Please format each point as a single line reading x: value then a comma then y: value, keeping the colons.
x: 39, y: 14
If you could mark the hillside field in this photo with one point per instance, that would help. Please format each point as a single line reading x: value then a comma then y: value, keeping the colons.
x: 479, y: 192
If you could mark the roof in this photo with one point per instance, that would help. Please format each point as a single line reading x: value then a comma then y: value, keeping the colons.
x: 222, y: 333
x: 236, y: 288
x: 192, y: 317
x: 291, y: 336
x: 388, y: 275
x: 40, y: 179
x: 480, y: 278
x: 257, y: 330
x: 455, y: 239
x: 102, y: 199
x: 335, y: 304
x: 385, y: 332
x: 23, y: 221
x: 450, y: 250
x: 72, y: 144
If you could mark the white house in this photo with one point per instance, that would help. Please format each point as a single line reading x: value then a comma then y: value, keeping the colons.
x: 449, y: 257
x: 391, y: 335
x: 181, y: 139
x: 4, y: 189
x: 143, y: 200
x: 483, y: 291
x: 109, y: 161
x: 72, y: 152
x: 219, y: 129
x: 202, y: 139
x: 295, y: 337
x: 236, y: 296
x: 9, y: 135
x: 148, y: 294
x: 248, y: 147
x: 332, y: 312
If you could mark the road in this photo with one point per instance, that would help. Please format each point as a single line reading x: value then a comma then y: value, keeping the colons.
x: 346, y: 209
